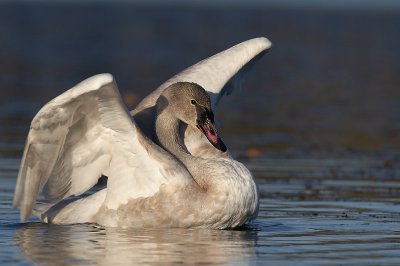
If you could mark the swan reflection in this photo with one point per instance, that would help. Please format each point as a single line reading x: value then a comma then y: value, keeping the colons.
x: 88, y: 244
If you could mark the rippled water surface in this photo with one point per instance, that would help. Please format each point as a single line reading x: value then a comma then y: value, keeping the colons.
x: 307, y: 221
x: 317, y: 123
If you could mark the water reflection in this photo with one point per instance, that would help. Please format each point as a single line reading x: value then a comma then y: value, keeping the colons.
x: 313, y: 219
x: 88, y: 244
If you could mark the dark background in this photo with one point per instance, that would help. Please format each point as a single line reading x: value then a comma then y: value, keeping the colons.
x: 329, y: 87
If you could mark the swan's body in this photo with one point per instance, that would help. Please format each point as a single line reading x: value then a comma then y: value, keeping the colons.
x: 166, y: 165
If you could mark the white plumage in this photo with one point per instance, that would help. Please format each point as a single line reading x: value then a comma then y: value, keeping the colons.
x: 87, y: 132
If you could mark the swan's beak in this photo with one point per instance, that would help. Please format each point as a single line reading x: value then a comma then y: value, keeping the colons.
x: 205, y: 122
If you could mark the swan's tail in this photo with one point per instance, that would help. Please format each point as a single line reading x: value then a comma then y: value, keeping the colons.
x: 40, y: 208
x: 71, y: 211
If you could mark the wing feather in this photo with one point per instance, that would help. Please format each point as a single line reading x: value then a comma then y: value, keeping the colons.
x: 82, y: 134
x: 218, y: 74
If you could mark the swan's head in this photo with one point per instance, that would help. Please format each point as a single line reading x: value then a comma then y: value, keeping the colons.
x: 190, y: 103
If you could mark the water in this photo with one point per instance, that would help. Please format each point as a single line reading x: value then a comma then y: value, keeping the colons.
x: 308, y: 221
x: 317, y: 124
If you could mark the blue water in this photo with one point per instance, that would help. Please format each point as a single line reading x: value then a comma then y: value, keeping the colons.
x: 321, y: 220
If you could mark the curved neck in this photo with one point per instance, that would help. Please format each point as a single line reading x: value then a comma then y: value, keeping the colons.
x: 167, y: 133
x: 167, y: 129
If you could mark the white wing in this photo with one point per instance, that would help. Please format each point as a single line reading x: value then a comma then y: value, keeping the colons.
x: 82, y: 134
x: 219, y: 74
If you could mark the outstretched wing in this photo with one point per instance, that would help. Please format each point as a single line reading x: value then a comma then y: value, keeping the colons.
x: 219, y: 75
x: 82, y: 134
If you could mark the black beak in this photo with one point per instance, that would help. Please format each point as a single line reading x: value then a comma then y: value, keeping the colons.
x: 205, y: 122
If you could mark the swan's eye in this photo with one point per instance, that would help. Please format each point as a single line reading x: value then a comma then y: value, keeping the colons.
x: 193, y: 102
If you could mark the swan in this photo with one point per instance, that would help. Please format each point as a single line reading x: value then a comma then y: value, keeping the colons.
x: 166, y: 163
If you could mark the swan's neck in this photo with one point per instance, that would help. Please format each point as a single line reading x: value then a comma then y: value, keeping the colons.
x: 167, y: 132
x: 170, y: 138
